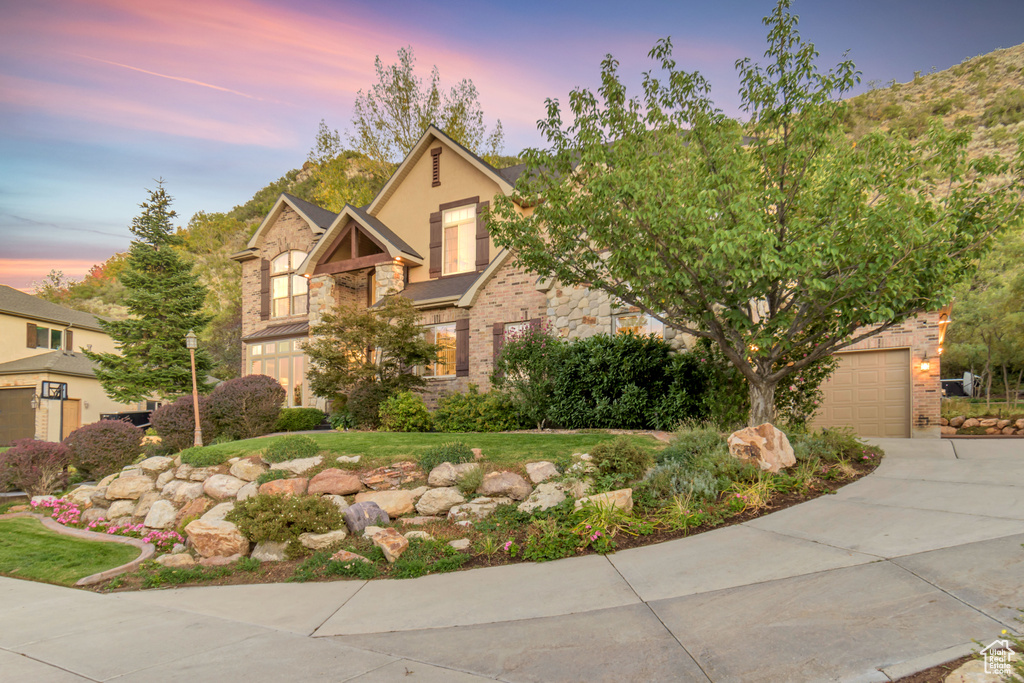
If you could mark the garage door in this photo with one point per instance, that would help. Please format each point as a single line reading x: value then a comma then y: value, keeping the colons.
x: 17, y: 419
x: 870, y: 392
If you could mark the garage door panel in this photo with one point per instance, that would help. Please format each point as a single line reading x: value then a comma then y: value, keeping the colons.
x: 17, y: 417
x: 870, y: 392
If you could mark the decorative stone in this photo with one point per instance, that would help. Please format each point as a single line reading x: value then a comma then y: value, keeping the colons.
x: 507, y: 484
x: 947, y: 431
x: 121, y: 508
x: 193, y: 509
x: 391, y: 476
x: 478, y: 508
x: 186, y: 492
x: 1003, y: 424
x: 285, y: 487
x: 335, y: 482
x: 216, y: 538
x: 82, y: 496
x: 541, y: 471
x: 202, y: 473
x: 176, y: 561
x: 439, y: 501
x: 361, y: 515
x: 418, y: 491
x: 418, y: 535
x: 339, y: 501
x: 99, y: 497
x: 1019, y: 424
x: 1008, y: 430
x: 170, y: 488
x: 128, y: 488
x: 577, y: 489
x: 178, y: 548
x: 943, y: 422
x: 545, y: 496
x: 299, y: 465
x: 146, y: 501
x: 105, y: 481
x: 161, y: 515
x: 419, y: 519
x: 447, y: 474
x: 351, y: 459
x: 973, y: 672
x: 218, y: 512
x: 218, y: 561
x: 346, y: 556
x: 992, y: 430
x: 131, y: 471
x: 93, y: 515
x: 184, y: 471
x: 957, y: 421
x: 970, y: 422
x: 988, y: 422
x: 269, y: 551
x: 247, y: 491
x: 764, y: 445
x: 394, y: 503
x: 164, y: 479
x: 321, y: 541
x: 248, y: 469
x: 460, y: 543
x: 369, y: 531
x: 391, y: 542
x: 622, y: 499
x: 222, y: 486
x: 156, y: 465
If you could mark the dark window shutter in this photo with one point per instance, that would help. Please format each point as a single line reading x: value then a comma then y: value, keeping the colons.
x: 435, y: 244
x: 462, y: 347
x: 483, y: 238
x: 435, y: 178
x: 69, y: 340
x: 264, y: 289
x: 499, y: 337
x: 30, y: 340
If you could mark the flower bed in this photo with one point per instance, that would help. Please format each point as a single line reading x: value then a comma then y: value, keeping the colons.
x: 69, y: 514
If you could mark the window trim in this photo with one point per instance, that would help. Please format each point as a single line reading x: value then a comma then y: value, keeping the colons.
x: 295, y: 259
x: 421, y: 370
x: 650, y: 319
x: 467, y: 228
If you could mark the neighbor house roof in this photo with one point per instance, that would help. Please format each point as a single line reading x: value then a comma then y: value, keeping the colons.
x: 54, y: 362
x: 14, y: 302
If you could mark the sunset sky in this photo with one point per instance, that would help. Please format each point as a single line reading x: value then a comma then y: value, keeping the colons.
x: 220, y: 97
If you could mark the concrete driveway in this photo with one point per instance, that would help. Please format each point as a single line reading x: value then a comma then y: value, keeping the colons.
x: 900, y: 571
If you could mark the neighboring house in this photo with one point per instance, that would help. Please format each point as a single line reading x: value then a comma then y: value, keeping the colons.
x: 40, y: 354
x: 424, y: 235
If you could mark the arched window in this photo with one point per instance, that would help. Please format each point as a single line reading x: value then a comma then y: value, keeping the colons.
x: 287, y: 289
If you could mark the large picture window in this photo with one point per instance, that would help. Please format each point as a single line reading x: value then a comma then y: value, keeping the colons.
x: 285, y: 362
x: 287, y: 289
x: 459, y: 240
x: 444, y: 336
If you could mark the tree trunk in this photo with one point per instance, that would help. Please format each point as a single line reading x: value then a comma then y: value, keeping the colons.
x: 762, y: 403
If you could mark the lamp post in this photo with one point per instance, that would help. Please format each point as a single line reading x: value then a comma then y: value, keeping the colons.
x: 192, y: 341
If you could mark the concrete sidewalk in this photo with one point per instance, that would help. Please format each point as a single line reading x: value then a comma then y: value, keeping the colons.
x: 899, y: 571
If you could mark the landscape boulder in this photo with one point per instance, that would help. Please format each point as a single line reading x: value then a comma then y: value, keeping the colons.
x: 217, y: 512
x: 269, y: 551
x: 439, y: 501
x: 248, y: 469
x: 541, y: 471
x: 189, y: 490
x: 970, y: 422
x: 299, y: 465
x: 217, y: 538
x: 622, y: 499
x: 82, y: 496
x: 247, y: 491
x: 391, y: 476
x: 362, y: 515
x: 285, y: 487
x: 192, y: 510
x: 478, y: 508
x: 447, y: 474
x: 161, y: 515
x: 545, y: 496
x: 121, y: 508
x: 947, y: 431
x: 764, y: 446
x: 508, y: 484
x: 338, y: 501
x: 348, y: 556
x: 957, y: 421
x: 321, y: 541
x: 156, y: 465
x: 335, y: 482
x: 129, y: 488
x: 146, y: 501
x: 176, y: 561
x: 222, y: 486
x: 392, y: 543
x: 394, y: 503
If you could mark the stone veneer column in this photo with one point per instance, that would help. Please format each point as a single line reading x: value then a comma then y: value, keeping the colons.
x: 390, y: 278
x: 321, y: 297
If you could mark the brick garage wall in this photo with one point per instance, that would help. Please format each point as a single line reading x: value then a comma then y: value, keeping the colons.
x: 920, y: 334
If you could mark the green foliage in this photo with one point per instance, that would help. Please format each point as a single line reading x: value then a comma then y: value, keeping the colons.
x: 156, y: 576
x: 364, y: 401
x: 697, y: 465
x: 165, y: 300
x: 828, y: 445
x: 245, y: 407
x: 290, y: 448
x: 526, y: 368
x: 776, y: 239
x: 470, y: 481
x: 28, y: 550
x: 248, y: 564
x: 621, y: 457
x: 427, y: 557
x: 454, y: 452
x: 202, y: 456
x: 332, y: 172
x: 404, y: 412
x: 176, y: 423
x: 342, y: 420
x: 472, y: 411
x: 284, y: 518
x: 103, y: 447
x: 299, y: 419
x: 272, y: 475
x: 1005, y: 109
x: 547, y: 540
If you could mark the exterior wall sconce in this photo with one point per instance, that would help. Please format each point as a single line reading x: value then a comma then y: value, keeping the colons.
x: 34, y: 402
x: 925, y: 364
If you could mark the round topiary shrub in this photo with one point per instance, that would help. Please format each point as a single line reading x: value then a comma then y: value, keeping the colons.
x: 103, y: 447
x: 176, y: 425
x: 246, y: 407
x: 38, y: 468
x: 299, y: 419
x: 290, y: 448
x: 404, y: 412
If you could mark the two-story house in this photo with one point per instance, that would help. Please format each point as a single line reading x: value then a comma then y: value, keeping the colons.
x: 47, y: 386
x: 424, y: 236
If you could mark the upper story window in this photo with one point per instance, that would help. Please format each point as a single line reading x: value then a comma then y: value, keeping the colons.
x: 639, y: 324
x: 459, y: 240
x: 287, y: 289
x: 46, y: 338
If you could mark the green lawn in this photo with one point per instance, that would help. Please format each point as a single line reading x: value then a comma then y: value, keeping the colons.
x: 385, y: 447
x: 28, y: 550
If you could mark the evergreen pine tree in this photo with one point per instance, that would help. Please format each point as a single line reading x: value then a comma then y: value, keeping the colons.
x: 165, y: 300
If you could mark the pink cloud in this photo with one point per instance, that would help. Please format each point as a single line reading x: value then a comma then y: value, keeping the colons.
x: 21, y: 273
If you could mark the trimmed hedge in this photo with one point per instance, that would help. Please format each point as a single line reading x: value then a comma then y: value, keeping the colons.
x: 291, y: 448
x: 404, y: 412
x: 103, y: 447
x: 299, y: 419
x: 175, y: 423
x: 246, y: 407
x: 492, y: 411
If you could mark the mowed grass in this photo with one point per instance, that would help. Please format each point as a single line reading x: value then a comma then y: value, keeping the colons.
x: 28, y: 550
x: 503, y: 449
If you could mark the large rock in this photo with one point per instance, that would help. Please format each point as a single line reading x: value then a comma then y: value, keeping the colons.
x: 395, y: 503
x: 93, y: 515
x: 392, y: 543
x: 82, y: 496
x: 184, y: 471
x: 973, y: 671
x: 541, y: 471
x: 970, y: 422
x: 193, y: 509
x: 248, y: 469
x: 439, y: 501
x: 508, y: 484
x: 216, y: 539
x: 164, y: 479
x: 222, y: 486
x: 321, y: 541
x: 270, y: 551
x: 947, y: 431
x: 392, y: 476
x: 348, y: 556
x: 176, y: 561
x: 989, y: 422
x: 99, y: 497
x: 189, y: 490
x: 447, y: 474
x: 285, y: 487
x: 957, y: 421
x: 478, y: 508
x: 248, y: 491
x: 161, y: 515
x: 156, y: 465
x: 763, y: 445
x: 204, y: 473
x: 622, y: 499
x: 299, y: 465
x: 217, y: 512
x: 146, y: 501
x: 338, y: 501
x: 362, y: 515
x: 121, y: 508
x: 105, y: 481
x: 1019, y: 424
x: 1008, y: 430
x: 219, y: 561
x: 335, y: 482
x: 129, y: 488
x: 545, y: 496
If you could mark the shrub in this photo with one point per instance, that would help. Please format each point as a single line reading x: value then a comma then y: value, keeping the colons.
x: 454, y: 452
x: 404, y: 412
x: 299, y: 419
x: 673, y: 479
x: 291, y: 448
x: 526, y: 368
x: 470, y: 481
x: 38, y: 468
x: 175, y: 423
x: 1006, y: 108
x: 246, y: 407
x: 103, y: 447
x: 492, y: 411
x: 697, y: 464
x: 364, y: 404
x: 342, y: 420
x: 202, y: 456
x: 621, y: 457
x: 272, y: 475
x: 283, y: 518
x: 830, y: 445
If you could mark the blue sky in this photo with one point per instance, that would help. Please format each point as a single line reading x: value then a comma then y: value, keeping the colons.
x: 219, y: 97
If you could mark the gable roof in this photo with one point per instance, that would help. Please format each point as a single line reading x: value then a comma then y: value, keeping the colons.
x: 395, y: 245
x: 419, y: 149
x: 14, y: 302
x: 318, y: 219
x: 54, y: 362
